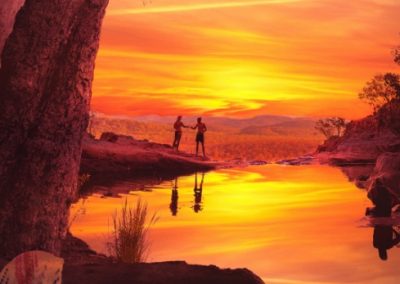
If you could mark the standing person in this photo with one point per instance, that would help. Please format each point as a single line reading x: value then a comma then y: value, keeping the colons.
x: 201, y: 129
x: 178, y: 132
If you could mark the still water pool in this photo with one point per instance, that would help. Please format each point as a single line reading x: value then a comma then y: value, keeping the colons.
x: 287, y: 224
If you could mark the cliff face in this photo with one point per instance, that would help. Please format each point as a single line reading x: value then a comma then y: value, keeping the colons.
x: 387, y: 171
x: 364, y: 140
x: 374, y: 141
x: 45, y: 89
x: 8, y: 10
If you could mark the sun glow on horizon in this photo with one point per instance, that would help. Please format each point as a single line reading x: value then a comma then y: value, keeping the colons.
x: 242, y: 58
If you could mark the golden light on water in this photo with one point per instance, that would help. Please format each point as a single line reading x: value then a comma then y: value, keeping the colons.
x: 287, y: 224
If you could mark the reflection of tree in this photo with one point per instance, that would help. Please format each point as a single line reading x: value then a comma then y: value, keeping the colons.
x: 173, y: 206
x: 198, y: 191
x: 385, y: 238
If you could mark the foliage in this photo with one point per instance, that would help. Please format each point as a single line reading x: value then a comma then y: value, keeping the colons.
x: 381, y: 90
x: 396, y: 55
x: 333, y: 126
x: 339, y: 124
x: 129, y: 242
x: 389, y: 117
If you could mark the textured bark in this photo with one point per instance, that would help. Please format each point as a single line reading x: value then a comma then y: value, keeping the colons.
x: 45, y: 89
x: 8, y: 10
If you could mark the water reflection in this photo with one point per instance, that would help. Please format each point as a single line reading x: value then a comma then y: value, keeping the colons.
x: 385, y: 236
x: 308, y: 214
x: 198, y: 192
x: 173, y: 206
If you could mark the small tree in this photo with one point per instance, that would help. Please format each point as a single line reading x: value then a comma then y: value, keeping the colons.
x: 324, y: 127
x: 382, y: 89
x: 333, y: 126
x: 338, y: 123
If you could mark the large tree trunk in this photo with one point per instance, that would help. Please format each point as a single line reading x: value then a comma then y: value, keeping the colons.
x: 45, y: 90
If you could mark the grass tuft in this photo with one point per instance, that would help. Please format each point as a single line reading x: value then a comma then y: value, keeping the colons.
x: 129, y: 242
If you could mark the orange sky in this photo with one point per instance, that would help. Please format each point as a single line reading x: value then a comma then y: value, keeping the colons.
x: 242, y: 57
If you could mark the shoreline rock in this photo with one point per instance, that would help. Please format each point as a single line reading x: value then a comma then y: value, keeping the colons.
x: 83, y: 265
x: 123, y: 156
x: 373, y: 142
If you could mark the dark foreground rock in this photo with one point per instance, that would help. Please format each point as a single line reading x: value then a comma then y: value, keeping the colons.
x: 119, y: 155
x: 83, y: 265
x: 178, y: 272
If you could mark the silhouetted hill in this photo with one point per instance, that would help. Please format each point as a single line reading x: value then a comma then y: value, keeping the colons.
x: 263, y: 137
x: 259, y: 125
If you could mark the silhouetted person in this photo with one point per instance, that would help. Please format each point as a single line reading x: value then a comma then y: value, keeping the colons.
x: 201, y: 129
x: 178, y: 125
x: 173, y: 206
x: 385, y: 237
x: 198, y: 192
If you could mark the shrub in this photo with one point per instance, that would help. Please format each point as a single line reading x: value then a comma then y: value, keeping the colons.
x: 129, y: 243
x: 381, y: 90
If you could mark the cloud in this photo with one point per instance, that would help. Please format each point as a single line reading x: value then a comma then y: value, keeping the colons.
x: 305, y: 58
x: 199, y: 6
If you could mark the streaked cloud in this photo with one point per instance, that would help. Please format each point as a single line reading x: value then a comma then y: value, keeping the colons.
x: 242, y: 58
x: 188, y: 7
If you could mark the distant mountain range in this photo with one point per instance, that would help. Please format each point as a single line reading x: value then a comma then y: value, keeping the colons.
x: 258, y: 125
x: 267, y: 137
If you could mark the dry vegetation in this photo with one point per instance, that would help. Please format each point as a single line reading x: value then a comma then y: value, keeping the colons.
x: 129, y: 241
x: 222, y: 143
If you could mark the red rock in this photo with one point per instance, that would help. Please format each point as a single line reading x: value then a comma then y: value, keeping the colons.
x: 8, y: 10
x: 45, y: 89
x: 364, y: 140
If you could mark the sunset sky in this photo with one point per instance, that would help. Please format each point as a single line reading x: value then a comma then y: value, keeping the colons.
x: 242, y: 58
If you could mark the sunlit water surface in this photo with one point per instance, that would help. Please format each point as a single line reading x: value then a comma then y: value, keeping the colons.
x: 287, y: 224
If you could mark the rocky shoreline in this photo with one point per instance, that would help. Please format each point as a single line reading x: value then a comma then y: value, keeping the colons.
x: 123, y: 156
x: 375, y: 148
x: 83, y: 265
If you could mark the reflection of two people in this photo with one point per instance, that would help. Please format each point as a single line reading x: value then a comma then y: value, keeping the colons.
x: 198, y: 192
x: 385, y: 237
